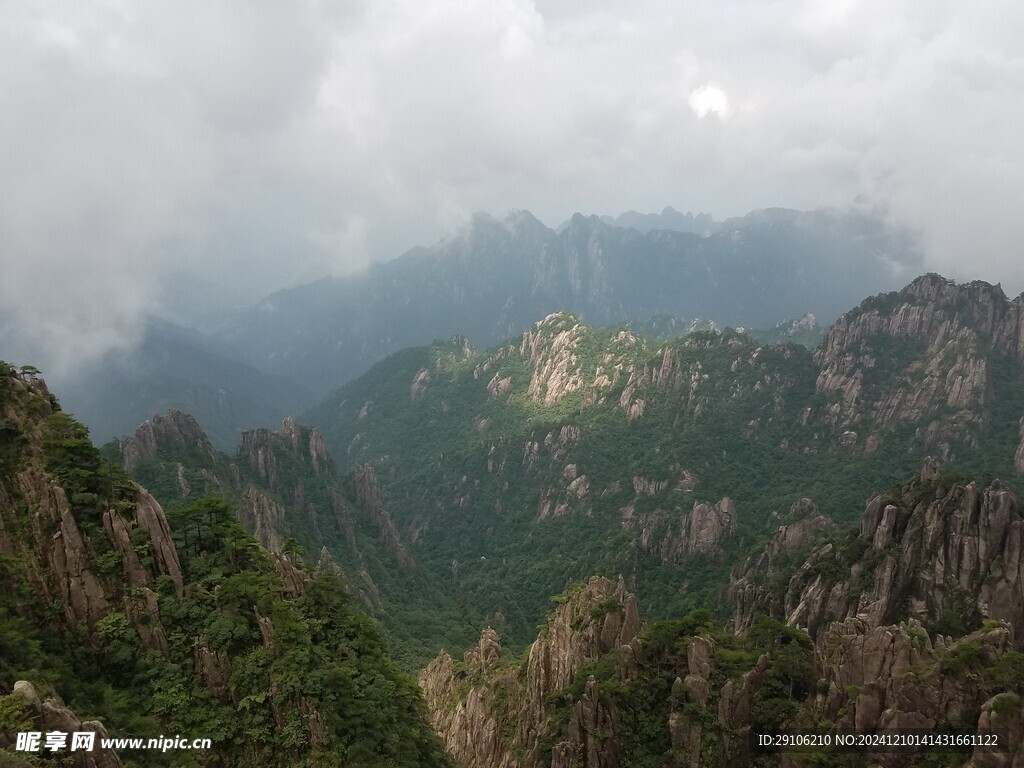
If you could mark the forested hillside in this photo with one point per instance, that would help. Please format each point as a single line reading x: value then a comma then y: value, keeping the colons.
x: 118, y: 618
x: 574, y: 451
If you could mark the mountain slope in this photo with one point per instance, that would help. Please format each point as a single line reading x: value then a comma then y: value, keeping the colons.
x: 574, y: 451
x: 251, y: 367
x: 160, y: 624
x: 284, y: 487
x: 598, y: 690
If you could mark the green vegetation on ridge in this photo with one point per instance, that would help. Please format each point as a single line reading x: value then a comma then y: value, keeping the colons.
x: 274, y: 664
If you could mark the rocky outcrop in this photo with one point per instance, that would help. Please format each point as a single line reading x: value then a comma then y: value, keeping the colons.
x: 939, y: 551
x: 369, y: 496
x: 1002, y: 719
x: 578, y: 633
x: 260, y: 514
x: 213, y: 669
x: 705, y: 530
x: 418, y: 387
x: 61, y: 561
x: 466, y: 720
x: 1018, y: 458
x: 51, y: 714
x: 307, y: 443
x: 175, y: 431
x: 895, y: 678
x: 150, y: 517
x: 804, y: 527
x: 487, y: 651
x: 259, y: 448
x: 143, y: 611
x: 551, y: 350
x: 932, y: 339
x: 593, y: 734
x: 589, y: 621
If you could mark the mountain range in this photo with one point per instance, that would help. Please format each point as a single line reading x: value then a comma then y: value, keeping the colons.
x: 595, y: 543
x: 243, y: 368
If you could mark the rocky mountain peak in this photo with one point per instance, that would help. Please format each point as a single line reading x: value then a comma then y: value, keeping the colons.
x: 259, y: 449
x: 934, y: 340
x: 50, y: 713
x: 174, y: 431
x: 485, y: 732
x: 551, y: 350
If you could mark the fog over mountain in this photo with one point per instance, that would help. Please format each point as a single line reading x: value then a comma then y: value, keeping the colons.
x: 512, y: 383
x: 491, y: 280
x: 258, y: 146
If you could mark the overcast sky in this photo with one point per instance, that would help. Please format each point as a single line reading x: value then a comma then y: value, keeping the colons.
x: 266, y: 143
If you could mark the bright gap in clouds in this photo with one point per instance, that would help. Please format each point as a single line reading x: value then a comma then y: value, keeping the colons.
x: 709, y: 99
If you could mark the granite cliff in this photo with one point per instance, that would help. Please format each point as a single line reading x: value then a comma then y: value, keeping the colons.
x: 287, y: 491
x: 662, y: 460
x: 870, y: 646
x: 944, y: 552
x: 931, y: 356
x: 493, y: 712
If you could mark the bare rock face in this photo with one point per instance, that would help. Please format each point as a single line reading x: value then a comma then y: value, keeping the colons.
x: 887, y: 679
x: 295, y: 580
x: 487, y: 651
x: 804, y: 527
x: 701, y: 532
x: 51, y: 714
x: 1002, y: 717
x: 1018, y: 458
x: 707, y: 527
x: 550, y: 348
x: 71, y: 567
x: 260, y: 514
x: 418, y: 387
x: 573, y: 637
x: 937, y: 550
x: 593, y: 735
x: 468, y: 727
x: 143, y: 611
x: 597, y: 618
x: 705, y: 530
x: 175, y: 430
x: 150, y: 517
x: 116, y: 529
x: 257, y: 448
x: 370, y: 497
x: 943, y: 380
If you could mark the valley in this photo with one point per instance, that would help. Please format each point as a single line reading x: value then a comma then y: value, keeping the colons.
x: 695, y: 505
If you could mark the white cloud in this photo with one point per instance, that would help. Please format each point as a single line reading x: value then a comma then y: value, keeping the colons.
x: 709, y: 99
x: 261, y: 143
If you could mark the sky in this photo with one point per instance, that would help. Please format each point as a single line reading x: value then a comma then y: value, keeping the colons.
x: 252, y: 145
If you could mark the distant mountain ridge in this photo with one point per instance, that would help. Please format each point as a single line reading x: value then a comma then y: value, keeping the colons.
x: 491, y: 281
x: 496, y: 278
x: 179, y: 368
x: 669, y: 218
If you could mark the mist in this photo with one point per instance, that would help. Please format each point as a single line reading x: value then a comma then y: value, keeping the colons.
x: 252, y: 146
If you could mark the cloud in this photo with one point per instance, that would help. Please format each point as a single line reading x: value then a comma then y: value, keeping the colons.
x: 709, y: 99
x: 258, y: 144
